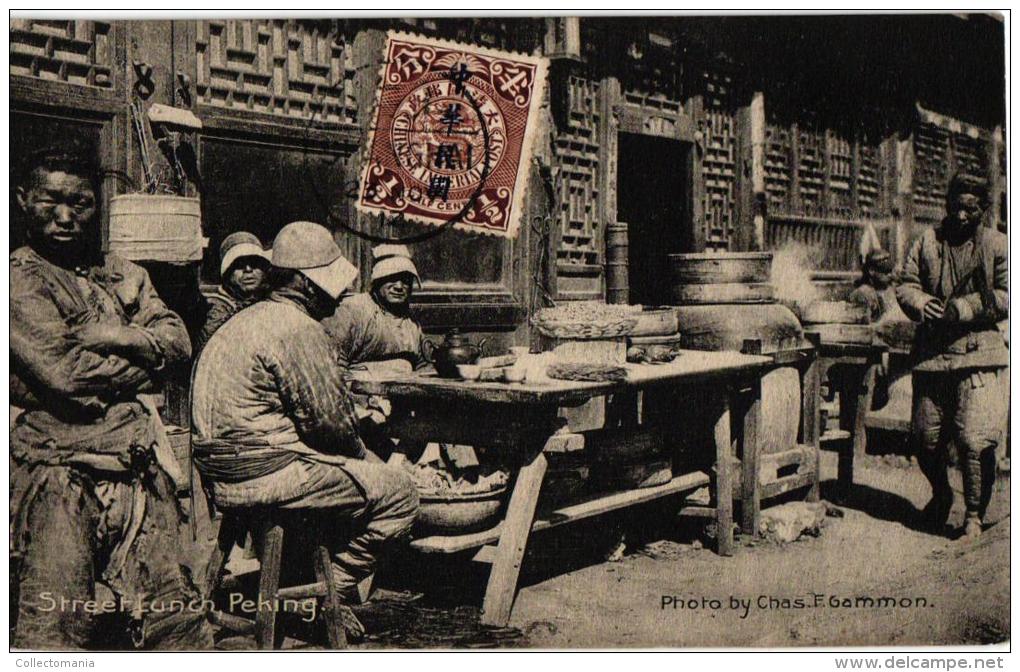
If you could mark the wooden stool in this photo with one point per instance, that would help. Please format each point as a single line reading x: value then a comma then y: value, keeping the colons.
x: 268, y: 532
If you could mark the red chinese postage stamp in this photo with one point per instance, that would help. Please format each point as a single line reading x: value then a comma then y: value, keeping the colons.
x: 452, y: 135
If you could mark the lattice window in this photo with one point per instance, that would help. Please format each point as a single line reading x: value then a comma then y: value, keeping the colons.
x: 840, y: 170
x: 811, y: 171
x: 282, y: 67
x: 777, y: 168
x: 931, y: 165
x: 970, y: 154
x: 76, y: 52
x: 869, y: 180
x: 719, y: 163
x: 577, y: 156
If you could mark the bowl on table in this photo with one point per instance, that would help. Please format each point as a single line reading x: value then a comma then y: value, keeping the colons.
x: 469, y: 371
x: 515, y: 374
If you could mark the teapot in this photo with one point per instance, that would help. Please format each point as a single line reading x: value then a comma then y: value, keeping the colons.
x: 455, y: 349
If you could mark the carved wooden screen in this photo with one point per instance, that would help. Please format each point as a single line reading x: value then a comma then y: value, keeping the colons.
x: 939, y: 151
x: 577, y: 157
x: 75, y: 52
x: 719, y: 161
x: 821, y: 188
x: 287, y: 68
x: 931, y: 171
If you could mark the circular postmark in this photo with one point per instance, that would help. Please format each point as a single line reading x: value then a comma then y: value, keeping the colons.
x: 446, y: 136
x: 443, y: 143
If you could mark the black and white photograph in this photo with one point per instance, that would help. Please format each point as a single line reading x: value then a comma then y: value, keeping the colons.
x: 509, y: 331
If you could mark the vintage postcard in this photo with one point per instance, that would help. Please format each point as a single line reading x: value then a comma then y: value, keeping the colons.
x: 509, y: 333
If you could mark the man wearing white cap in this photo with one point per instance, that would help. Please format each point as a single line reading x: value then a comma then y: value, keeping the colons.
x: 376, y: 326
x: 273, y: 423
x: 244, y: 268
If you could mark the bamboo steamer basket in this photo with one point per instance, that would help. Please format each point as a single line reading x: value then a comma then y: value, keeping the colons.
x: 713, y: 269
x: 730, y: 292
x: 655, y: 321
x: 156, y: 227
x: 740, y: 305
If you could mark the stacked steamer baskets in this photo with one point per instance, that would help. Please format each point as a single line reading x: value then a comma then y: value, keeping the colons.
x: 722, y: 300
x: 595, y: 335
x: 838, y: 323
x: 588, y: 341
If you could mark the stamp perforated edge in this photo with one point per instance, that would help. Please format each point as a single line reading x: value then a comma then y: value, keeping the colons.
x: 533, y: 121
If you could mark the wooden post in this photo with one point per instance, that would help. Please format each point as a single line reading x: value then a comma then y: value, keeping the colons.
x: 513, y: 541
x: 996, y: 180
x: 751, y: 175
x: 723, y: 477
x: 759, y: 197
x: 904, y: 197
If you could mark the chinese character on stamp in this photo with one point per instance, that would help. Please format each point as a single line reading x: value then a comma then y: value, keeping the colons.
x: 452, y: 135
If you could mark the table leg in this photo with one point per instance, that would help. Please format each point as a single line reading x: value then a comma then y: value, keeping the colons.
x: 750, y: 478
x: 723, y: 479
x: 865, y: 392
x: 810, y: 419
x: 850, y: 383
x: 513, y: 540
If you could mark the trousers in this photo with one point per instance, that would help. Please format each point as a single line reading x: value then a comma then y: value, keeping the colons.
x: 71, y: 529
x: 371, y: 510
x: 966, y: 409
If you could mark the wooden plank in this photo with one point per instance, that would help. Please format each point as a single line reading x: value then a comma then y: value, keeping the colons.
x: 750, y: 496
x: 513, y: 540
x: 692, y: 366
x: 486, y: 554
x: 307, y: 590
x: 568, y: 514
x: 787, y: 484
x: 723, y: 478
x: 697, y: 512
x: 772, y: 462
x: 242, y: 626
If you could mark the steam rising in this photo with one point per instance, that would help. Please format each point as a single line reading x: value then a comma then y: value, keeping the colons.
x: 792, y: 266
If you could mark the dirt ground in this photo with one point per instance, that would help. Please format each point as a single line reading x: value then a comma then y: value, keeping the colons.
x: 947, y: 592
x: 664, y: 589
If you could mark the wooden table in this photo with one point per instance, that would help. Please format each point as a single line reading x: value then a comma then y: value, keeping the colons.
x: 522, y: 420
x: 858, y: 366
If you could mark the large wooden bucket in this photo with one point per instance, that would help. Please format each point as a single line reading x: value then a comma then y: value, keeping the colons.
x: 726, y: 300
x: 838, y: 322
x: 714, y: 269
x: 156, y: 227
x: 780, y: 409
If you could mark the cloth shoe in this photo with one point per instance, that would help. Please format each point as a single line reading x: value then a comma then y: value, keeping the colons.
x: 971, y: 528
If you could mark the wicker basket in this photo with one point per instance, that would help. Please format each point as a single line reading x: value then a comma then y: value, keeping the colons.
x: 586, y: 331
